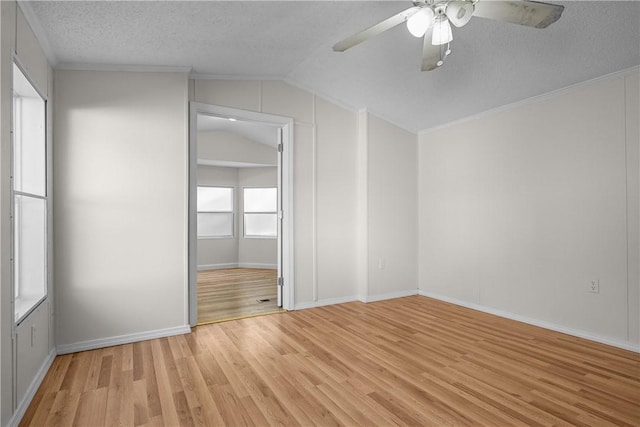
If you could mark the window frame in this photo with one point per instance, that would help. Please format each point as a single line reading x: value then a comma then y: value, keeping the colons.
x: 232, y: 212
x: 245, y: 213
x: 22, y: 308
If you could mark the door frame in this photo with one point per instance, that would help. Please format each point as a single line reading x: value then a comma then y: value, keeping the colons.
x: 287, y: 265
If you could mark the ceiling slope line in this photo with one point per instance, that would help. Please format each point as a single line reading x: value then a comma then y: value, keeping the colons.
x: 351, y: 108
x: 533, y: 99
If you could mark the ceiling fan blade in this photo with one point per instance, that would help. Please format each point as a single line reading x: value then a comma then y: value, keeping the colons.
x: 430, y: 52
x: 522, y: 12
x: 379, y: 28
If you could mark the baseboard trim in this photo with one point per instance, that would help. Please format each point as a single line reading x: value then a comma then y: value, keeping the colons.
x: 390, y: 295
x: 122, y: 339
x: 365, y: 299
x: 257, y: 265
x: 217, y: 266
x: 237, y: 265
x: 535, y: 322
x: 31, y: 391
x: 323, y: 302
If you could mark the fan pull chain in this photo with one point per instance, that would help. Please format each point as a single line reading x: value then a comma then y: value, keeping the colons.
x: 443, y: 54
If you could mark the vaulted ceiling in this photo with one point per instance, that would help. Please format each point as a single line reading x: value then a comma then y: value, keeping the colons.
x: 492, y: 64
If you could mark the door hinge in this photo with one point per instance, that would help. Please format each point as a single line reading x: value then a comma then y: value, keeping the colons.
x: 280, y: 148
x: 280, y: 281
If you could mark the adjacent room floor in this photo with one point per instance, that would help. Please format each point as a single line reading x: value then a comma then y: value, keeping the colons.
x: 407, y: 361
x: 236, y: 292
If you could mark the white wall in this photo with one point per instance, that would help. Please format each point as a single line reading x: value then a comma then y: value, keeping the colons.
x: 121, y: 206
x: 336, y: 200
x: 256, y: 252
x: 521, y: 208
x: 219, y: 145
x: 219, y: 252
x: 392, y: 223
x: 27, y: 357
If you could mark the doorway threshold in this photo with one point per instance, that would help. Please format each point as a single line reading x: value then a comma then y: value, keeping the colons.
x: 228, y: 319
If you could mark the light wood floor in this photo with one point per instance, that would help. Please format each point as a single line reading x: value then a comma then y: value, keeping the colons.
x: 235, y: 292
x: 409, y: 361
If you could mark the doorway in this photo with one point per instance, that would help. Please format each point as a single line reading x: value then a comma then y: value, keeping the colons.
x: 240, y: 213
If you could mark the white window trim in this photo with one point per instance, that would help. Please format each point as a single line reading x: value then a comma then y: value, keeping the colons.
x: 232, y: 212
x: 244, y: 223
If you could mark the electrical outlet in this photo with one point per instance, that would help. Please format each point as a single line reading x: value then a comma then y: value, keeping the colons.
x: 594, y: 286
x: 381, y: 264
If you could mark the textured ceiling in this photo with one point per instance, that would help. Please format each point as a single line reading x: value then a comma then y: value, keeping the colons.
x: 493, y: 63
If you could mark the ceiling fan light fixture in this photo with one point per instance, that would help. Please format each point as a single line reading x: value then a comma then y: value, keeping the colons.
x: 420, y: 21
x: 459, y: 12
x: 429, y: 19
x: 441, y: 31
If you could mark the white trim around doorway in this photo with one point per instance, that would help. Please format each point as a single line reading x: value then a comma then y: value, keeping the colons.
x: 286, y: 124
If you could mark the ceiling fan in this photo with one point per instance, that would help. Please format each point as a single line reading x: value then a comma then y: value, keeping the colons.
x: 432, y: 20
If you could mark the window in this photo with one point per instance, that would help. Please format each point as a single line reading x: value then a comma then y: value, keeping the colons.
x: 215, y: 212
x: 261, y: 212
x: 29, y: 186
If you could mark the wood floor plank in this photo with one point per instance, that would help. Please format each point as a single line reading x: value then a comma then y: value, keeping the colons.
x: 236, y: 292
x: 140, y: 403
x: 210, y: 413
x: 91, y: 408
x: 164, y: 376
x: 63, y: 410
x: 407, y: 361
x: 40, y: 408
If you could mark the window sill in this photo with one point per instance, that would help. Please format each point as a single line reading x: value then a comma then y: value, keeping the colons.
x: 216, y: 237
x: 25, y: 306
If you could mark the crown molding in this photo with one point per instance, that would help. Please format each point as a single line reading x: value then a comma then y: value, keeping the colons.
x: 123, y: 67
x: 38, y: 31
x: 534, y: 99
x: 205, y: 76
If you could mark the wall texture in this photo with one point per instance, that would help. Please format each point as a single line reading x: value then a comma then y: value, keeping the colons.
x: 521, y: 209
x: 121, y: 205
x: 392, y: 198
